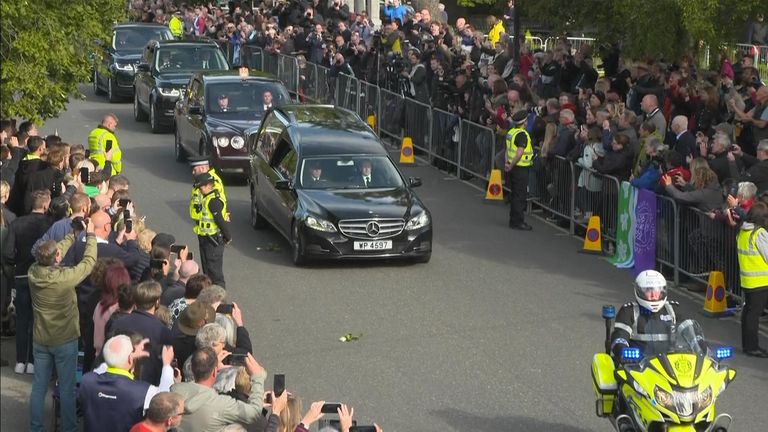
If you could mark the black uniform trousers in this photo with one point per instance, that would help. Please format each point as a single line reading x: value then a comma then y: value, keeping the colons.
x: 517, y: 180
x: 755, y: 301
x: 212, y: 258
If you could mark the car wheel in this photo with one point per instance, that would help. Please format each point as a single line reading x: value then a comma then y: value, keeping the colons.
x: 257, y: 220
x: 297, y: 245
x: 181, y: 154
x: 153, y: 121
x: 138, y: 114
x: 423, y: 259
x: 96, y: 89
x: 111, y: 96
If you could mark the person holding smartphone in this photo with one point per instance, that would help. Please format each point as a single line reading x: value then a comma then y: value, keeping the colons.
x: 103, y: 146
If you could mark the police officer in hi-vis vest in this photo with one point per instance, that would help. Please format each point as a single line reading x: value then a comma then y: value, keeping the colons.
x: 200, y: 165
x: 212, y: 228
x: 517, y: 162
x: 102, y: 140
x: 752, y: 247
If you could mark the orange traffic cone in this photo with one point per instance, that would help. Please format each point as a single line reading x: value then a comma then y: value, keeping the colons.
x: 593, y: 239
x: 495, y: 189
x: 406, y: 151
x: 715, y: 305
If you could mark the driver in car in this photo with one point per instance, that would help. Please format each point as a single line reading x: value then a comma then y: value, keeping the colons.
x: 165, y: 60
x: 224, y: 103
x: 122, y: 40
x: 365, y: 178
x: 316, y: 175
x: 646, y: 322
x: 267, y: 100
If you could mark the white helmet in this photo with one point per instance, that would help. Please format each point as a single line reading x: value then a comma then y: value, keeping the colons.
x: 651, y: 290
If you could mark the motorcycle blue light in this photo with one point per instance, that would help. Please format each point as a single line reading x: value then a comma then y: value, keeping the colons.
x: 723, y: 353
x: 630, y: 354
x: 609, y: 312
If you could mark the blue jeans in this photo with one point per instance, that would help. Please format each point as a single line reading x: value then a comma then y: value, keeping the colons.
x: 64, y: 356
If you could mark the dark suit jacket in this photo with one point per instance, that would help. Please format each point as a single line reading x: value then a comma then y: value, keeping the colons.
x: 357, y: 179
x: 686, y: 144
x: 159, y: 335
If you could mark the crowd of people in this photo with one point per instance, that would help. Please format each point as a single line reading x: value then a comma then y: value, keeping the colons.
x: 119, y: 316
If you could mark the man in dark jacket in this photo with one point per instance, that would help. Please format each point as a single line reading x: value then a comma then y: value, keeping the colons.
x: 617, y: 163
x: 29, y: 164
x: 685, y: 142
x: 143, y: 321
x: 757, y: 167
x: 22, y: 235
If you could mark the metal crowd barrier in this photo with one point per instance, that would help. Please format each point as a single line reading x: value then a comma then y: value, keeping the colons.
x: 688, y: 242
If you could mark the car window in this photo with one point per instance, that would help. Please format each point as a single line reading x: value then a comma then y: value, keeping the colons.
x: 136, y: 38
x: 245, y: 96
x: 286, y: 160
x: 347, y: 172
x: 267, y: 140
x: 189, y: 58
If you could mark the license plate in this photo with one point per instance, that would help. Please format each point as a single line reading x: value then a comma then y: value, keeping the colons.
x: 373, y: 245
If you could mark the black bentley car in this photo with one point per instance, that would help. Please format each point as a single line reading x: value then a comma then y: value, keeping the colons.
x: 122, y: 55
x: 321, y: 177
x: 217, y: 108
x: 164, y: 73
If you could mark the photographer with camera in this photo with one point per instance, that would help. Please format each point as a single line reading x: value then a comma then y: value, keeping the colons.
x: 316, y: 44
x: 363, y: 26
x: 417, y: 76
x: 335, y: 14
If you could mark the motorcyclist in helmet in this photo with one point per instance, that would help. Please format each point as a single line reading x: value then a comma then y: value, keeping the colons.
x: 647, y: 322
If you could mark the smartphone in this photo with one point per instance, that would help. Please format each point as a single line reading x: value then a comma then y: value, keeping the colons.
x: 362, y: 428
x: 190, y: 257
x: 225, y: 309
x: 278, y: 385
x: 84, y: 175
x: 237, y: 359
x: 336, y: 424
x: 123, y: 202
x: 330, y: 408
x: 108, y: 146
x: 177, y: 248
x: 128, y: 221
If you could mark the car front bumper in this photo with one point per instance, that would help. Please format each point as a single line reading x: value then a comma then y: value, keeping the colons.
x: 232, y: 164
x: 325, y: 245
x: 165, y: 106
x: 123, y: 82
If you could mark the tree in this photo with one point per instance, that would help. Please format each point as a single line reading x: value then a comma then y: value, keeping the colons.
x: 46, y: 51
x: 473, y: 3
x: 430, y: 5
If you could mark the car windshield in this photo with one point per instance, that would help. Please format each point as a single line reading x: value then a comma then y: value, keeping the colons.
x: 349, y: 172
x: 190, y: 58
x: 135, y: 39
x: 244, y: 96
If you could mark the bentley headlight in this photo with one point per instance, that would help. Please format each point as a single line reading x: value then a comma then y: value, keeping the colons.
x: 319, y: 224
x: 222, y: 141
x: 169, y: 91
x: 417, y: 222
x: 238, y: 142
x: 124, y: 67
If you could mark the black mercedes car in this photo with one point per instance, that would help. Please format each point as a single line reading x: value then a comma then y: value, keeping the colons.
x: 164, y: 73
x: 120, y: 58
x: 321, y: 177
x: 215, y: 111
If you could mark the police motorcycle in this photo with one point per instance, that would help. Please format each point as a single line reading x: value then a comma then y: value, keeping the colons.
x: 673, y: 386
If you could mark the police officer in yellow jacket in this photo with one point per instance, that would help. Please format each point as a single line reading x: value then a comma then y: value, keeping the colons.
x: 752, y: 247
x: 101, y: 141
x: 212, y: 229
x: 517, y: 162
x: 200, y: 166
x: 176, y: 25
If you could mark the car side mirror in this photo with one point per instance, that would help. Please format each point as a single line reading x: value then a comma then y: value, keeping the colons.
x: 195, y: 110
x: 142, y: 67
x: 414, y: 181
x: 283, y: 185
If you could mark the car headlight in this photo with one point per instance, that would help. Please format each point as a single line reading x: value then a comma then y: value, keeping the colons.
x: 417, y: 222
x: 124, y: 67
x: 221, y: 141
x: 319, y: 224
x: 169, y: 91
x: 238, y: 142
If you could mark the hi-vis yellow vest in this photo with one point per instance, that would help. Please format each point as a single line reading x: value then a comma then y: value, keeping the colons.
x: 206, y: 226
x: 527, y: 159
x: 197, y: 197
x: 97, y: 141
x: 753, y: 270
x: 176, y: 26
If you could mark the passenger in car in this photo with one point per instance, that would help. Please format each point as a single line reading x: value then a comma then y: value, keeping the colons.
x: 315, y: 177
x: 223, y: 103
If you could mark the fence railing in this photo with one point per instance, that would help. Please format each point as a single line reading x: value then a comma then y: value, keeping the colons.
x: 688, y: 242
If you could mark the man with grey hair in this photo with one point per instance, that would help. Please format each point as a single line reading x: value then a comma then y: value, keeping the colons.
x: 114, y: 400
x: 757, y: 167
x: 55, y: 332
x: 650, y: 106
x: 721, y: 158
x: 684, y: 142
x: 164, y: 413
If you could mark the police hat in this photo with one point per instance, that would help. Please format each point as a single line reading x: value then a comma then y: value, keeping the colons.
x: 519, y: 117
x: 202, y: 160
x: 203, y: 179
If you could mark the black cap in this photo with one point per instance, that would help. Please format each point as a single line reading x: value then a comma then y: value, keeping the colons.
x: 520, y: 116
x: 203, y: 179
x: 202, y: 160
x: 163, y: 240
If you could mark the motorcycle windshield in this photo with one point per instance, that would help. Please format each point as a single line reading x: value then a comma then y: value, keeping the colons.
x: 689, y: 338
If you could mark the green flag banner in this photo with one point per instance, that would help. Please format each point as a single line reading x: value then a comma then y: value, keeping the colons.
x: 624, y: 256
